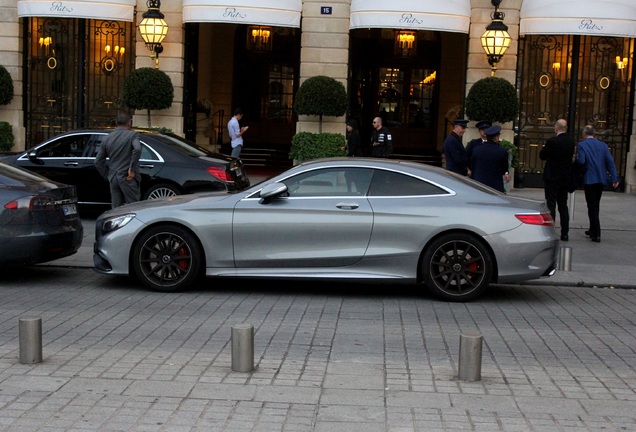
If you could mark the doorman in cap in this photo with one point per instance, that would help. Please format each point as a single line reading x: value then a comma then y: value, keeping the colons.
x: 481, y: 127
x: 454, y: 151
x: 490, y: 161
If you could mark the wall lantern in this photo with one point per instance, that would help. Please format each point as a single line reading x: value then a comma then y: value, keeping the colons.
x: 48, y: 53
x: 153, y: 29
x: 496, y: 39
x: 405, y: 43
x: 259, y: 38
x: 113, y: 59
x: 621, y: 63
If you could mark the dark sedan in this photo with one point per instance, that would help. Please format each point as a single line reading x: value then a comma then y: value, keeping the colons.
x: 39, y: 221
x: 170, y: 165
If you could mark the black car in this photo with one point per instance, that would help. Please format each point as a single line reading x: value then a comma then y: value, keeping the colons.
x: 39, y: 220
x: 170, y: 165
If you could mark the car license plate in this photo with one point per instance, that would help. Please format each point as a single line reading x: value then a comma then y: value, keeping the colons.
x: 69, y: 209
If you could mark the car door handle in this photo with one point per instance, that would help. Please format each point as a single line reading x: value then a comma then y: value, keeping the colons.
x: 146, y: 166
x: 345, y: 205
x: 71, y: 163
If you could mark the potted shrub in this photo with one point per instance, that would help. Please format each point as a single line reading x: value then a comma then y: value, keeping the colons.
x: 148, y: 88
x: 320, y: 96
x: 6, y: 86
x: 6, y: 136
x: 495, y: 100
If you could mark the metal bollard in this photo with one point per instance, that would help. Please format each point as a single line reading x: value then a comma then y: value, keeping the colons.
x: 470, y: 356
x: 565, y: 259
x: 243, y: 348
x: 30, y: 335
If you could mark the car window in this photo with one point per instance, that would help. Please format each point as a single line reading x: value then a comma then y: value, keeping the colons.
x: 147, y: 154
x: 341, y: 181
x: 389, y: 183
x: 65, y: 147
x: 94, y: 143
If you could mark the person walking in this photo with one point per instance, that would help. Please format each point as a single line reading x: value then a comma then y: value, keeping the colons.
x: 598, y: 162
x: 381, y: 139
x: 123, y: 149
x: 481, y: 127
x: 454, y: 150
x: 354, y: 146
x: 490, y: 161
x: 236, y: 132
x: 558, y: 152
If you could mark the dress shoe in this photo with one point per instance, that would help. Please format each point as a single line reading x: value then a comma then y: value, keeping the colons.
x: 596, y: 239
x: 565, y: 237
x: 588, y: 233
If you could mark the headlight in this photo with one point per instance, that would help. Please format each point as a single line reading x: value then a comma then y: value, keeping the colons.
x: 114, y: 223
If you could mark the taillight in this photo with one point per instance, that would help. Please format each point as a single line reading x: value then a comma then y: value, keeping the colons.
x: 29, y: 203
x: 536, y: 219
x: 220, y: 173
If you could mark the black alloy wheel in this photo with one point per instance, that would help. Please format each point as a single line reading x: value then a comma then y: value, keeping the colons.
x: 167, y: 258
x: 457, y: 267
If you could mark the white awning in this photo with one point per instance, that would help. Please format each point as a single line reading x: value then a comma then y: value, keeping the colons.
x: 281, y: 13
x: 442, y: 15
x: 579, y: 17
x: 115, y: 10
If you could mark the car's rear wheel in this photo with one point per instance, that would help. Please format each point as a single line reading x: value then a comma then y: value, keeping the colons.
x: 457, y: 267
x: 161, y: 190
x: 167, y: 258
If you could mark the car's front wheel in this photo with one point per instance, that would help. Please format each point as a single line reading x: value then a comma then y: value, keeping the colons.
x: 457, y: 267
x: 161, y: 190
x: 167, y: 258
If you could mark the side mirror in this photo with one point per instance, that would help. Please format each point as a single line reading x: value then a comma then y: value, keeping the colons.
x: 272, y: 191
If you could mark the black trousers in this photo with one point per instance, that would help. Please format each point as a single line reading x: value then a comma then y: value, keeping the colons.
x: 593, y: 194
x: 556, y: 195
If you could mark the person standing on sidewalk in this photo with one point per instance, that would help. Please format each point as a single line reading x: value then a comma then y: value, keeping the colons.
x: 481, y: 127
x: 236, y: 132
x: 490, y: 161
x: 123, y: 149
x: 381, y: 140
x: 598, y: 162
x: 454, y: 150
x: 558, y: 152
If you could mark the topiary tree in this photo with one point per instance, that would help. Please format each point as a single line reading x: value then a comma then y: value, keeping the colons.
x: 322, y: 96
x: 306, y: 145
x: 492, y: 99
x: 6, y: 86
x: 6, y: 136
x: 148, y: 88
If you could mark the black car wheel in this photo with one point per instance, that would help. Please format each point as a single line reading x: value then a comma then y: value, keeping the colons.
x: 167, y: 258
x: 161, y: 190
x: 457, y: 267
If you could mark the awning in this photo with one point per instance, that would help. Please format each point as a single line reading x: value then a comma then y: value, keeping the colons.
x: 115, y: 10
x: 579, y: 17
x: 444, y: 15
x: 281, y: 13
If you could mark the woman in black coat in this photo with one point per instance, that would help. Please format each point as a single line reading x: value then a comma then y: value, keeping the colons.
x: 354, y: 146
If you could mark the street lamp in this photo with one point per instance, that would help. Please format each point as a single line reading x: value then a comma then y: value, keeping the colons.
x: 153, y: 29
x: 496, y: 39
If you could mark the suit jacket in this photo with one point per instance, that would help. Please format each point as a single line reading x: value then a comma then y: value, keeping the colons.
x: 599, y: 163
x: 470, y: 148
x: 490, y: 163
x: 558, y: 152
x: 123, y: 149
x: 455, y: 154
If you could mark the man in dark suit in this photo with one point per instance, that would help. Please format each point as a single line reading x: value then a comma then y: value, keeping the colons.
x: 490, y: 161
x: 454, y: 150
x: 481, y: 127
x: 557, y: 173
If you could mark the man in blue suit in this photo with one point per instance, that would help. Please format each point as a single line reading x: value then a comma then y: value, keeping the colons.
x: 598, y: 162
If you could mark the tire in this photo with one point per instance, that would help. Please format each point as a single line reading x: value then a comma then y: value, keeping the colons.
x: 457, y: 267
x: 161, y: 190
x: 167, y: 259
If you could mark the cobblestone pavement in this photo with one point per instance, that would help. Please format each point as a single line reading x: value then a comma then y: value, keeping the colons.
x: 328, y: 358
